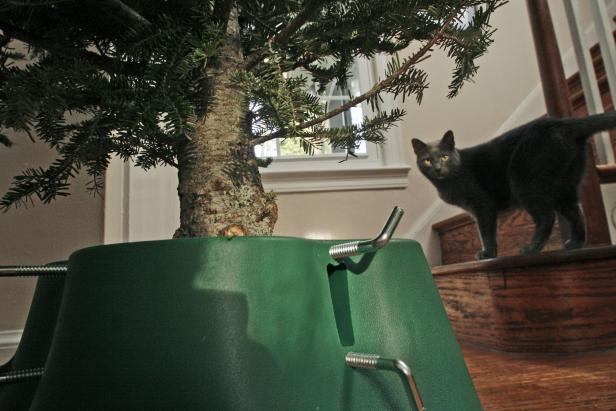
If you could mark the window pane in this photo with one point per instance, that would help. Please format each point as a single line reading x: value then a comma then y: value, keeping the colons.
x: 267, y: 149
x: 334, y: 96
x: 291, y: 147
x: 338, y: 92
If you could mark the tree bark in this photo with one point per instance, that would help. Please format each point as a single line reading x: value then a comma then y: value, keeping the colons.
x: 220, y: 188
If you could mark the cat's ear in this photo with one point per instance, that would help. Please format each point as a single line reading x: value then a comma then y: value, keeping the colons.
x: 447, y: 141
x: 418, y: 145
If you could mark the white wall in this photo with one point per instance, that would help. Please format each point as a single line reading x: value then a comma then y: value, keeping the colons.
x: 40, y: 233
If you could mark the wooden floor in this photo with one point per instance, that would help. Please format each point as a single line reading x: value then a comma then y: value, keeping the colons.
x: 524, y: 382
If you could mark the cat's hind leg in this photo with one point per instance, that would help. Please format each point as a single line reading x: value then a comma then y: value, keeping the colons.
x: 544, y: 222
x: 486, y: 221
x: 574, y: 215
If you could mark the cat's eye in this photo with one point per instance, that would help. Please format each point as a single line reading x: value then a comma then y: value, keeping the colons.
x: 427, y: 161
x: 445, y: 157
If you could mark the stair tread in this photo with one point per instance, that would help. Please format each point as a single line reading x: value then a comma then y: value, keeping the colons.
x: 450, y: 223
x: 607, y: 173
x: 546, y: 258
x: 606, y: 168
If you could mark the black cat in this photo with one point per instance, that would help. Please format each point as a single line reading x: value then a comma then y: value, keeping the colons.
x: 538, y: 167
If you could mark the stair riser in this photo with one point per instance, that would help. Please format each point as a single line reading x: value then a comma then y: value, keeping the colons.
x: 555, y: 308
x: 460, y: 241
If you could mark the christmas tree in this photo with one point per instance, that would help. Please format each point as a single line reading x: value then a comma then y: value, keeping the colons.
x: 198, y: 84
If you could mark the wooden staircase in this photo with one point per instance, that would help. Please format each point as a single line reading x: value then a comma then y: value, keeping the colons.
x: 607, y: 173
x: 538, y: 330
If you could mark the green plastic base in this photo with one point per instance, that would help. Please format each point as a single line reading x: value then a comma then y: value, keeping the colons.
x: 249, y: 324
x: 34, y: 344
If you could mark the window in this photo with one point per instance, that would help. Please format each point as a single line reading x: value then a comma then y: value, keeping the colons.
x: 372, y: 166
x: 334, y: 97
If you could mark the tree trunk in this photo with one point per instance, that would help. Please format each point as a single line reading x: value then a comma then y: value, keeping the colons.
x: 220, y: 187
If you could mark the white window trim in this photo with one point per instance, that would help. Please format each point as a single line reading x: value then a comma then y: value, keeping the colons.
x: 385, y: 166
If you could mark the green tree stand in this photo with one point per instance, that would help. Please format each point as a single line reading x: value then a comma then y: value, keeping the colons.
x: 249, y: 324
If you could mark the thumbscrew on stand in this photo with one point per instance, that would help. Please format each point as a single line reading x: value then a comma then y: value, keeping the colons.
x: 376, y: 362
x: 349, y: 249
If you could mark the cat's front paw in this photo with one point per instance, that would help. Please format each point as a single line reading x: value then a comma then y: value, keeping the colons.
x: 572, y: 244
x: 485, y: 254
x: 529, y: 249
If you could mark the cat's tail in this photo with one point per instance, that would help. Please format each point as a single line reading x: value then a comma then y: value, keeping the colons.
x: 585, y: 127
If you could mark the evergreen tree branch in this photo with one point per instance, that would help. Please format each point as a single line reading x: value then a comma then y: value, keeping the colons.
x: 5, y: 141
x: 375, y: 90
x: 8, y: 4
x: 283, y: 37
x: 123, y: 12
x: 67, y: 50
x: 139, y: 76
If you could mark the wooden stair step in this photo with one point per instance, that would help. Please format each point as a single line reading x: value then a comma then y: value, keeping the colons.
x: 563, y: 301
x: 459, y: 236
x: 607, y: 173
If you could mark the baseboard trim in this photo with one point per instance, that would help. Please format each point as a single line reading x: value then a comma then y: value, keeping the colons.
x: 425, y: 219
x: 9, y: 339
